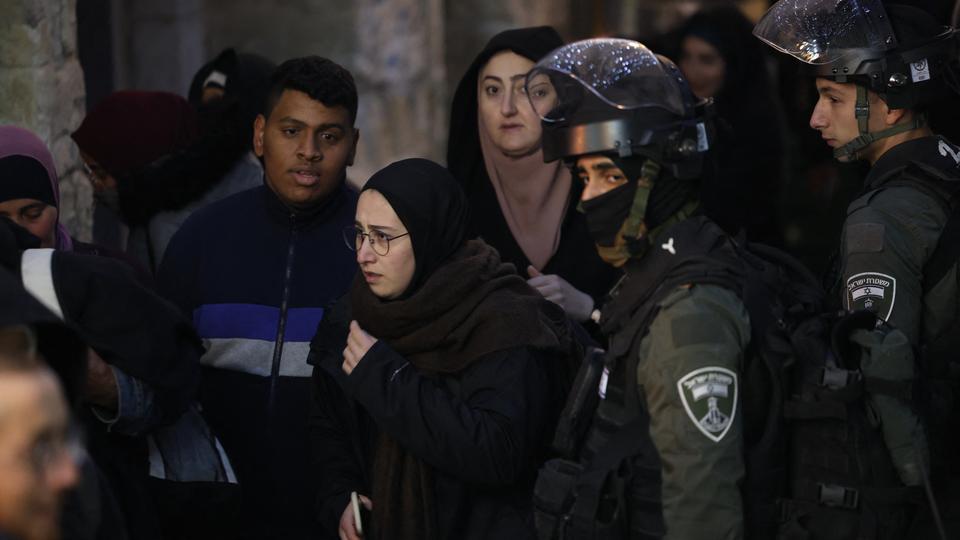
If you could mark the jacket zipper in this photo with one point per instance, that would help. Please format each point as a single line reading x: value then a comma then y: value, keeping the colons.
x: 282, y: 324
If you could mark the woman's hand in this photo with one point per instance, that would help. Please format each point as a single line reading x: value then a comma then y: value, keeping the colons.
x: 358, y: 343
x: 348, y: 528
x: 554, y: 288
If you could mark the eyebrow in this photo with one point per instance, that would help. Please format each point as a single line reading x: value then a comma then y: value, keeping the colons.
x: 603, y: 166
x: 828, y: 89
x: 381, y: 228
x: 301, y: 123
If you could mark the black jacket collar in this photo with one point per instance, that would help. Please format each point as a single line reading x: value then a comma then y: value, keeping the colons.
x: 933, y: 151
x: 301, y: 218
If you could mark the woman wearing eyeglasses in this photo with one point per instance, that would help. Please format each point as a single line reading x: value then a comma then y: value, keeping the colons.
x: 435, y: 396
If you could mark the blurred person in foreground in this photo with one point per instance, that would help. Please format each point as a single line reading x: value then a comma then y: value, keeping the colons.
x: 37, y: 451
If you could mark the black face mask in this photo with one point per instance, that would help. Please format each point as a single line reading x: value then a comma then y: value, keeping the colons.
x: 606, y: 213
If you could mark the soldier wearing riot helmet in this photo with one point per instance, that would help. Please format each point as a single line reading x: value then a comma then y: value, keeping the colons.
x: 879, y: 70
x: 627, y: 123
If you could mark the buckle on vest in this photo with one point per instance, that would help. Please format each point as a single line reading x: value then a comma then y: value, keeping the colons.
x: 838, y: 496
x: 836, y: 378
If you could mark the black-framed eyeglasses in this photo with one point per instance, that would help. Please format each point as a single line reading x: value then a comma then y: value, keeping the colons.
x: 379, y: 241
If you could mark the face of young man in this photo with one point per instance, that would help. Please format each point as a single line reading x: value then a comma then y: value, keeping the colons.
x: 36, y: 467
x: 834, y: 115
x: 306, y: 148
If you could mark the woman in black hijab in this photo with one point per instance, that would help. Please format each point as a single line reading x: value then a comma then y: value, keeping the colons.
x: 721, y: 58
x: 521, y: 206
x: 440, y: 406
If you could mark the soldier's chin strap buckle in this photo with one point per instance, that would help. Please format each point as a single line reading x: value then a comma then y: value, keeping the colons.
x: 838, y: 496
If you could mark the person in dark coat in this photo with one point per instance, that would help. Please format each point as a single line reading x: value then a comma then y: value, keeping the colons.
x: 722, y: 60
x: 439, y: 409
x: 142, y: 371
x: 523, y: 207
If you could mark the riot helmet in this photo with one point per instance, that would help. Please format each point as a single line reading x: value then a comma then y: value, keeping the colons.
x: 617, y: 99
x: 899, y: 52
x: 615, y: 96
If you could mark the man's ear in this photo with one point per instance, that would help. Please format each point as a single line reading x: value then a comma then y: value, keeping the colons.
x: 353, y: 149
x: 888, y: 115
x: 259, y: 125
x: 894, y: 116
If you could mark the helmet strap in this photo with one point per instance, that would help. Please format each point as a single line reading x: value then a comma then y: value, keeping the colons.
x: 851, y: 150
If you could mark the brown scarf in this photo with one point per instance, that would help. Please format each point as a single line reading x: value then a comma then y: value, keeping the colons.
x: 471, y: 306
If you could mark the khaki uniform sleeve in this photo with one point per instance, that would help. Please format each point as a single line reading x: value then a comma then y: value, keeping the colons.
x: 689, y: 376
x: 887, y: 238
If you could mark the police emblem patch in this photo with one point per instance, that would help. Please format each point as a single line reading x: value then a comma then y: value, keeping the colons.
x: 872, y: 291
x: 709, y: 396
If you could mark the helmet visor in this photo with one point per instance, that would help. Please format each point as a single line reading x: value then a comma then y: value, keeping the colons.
x: 624, y: 74
x: 826, y: 31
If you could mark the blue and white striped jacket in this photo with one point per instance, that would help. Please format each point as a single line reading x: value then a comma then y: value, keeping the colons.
x: 255, y: 278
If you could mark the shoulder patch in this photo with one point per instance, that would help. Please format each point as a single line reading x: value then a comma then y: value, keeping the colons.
x: 872, y: 291
x: 865, y: 238
x: 709, y: 396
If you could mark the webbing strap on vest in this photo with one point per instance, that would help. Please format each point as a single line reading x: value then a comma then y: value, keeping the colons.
x: 626, y: 442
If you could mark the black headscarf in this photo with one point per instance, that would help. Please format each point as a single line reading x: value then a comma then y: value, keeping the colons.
x: 740, y: 190
x: 464, y: 157
x: 432, y: 207
x: 731, y: 34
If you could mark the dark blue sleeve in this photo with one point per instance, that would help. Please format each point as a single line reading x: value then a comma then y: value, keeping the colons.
x: 177, y: 272
x: 488, y: 433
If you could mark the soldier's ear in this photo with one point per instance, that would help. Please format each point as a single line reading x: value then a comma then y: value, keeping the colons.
x: 893, y: 116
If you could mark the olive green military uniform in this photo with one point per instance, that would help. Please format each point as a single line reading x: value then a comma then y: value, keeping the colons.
x: 888, y: 237
x: 689, y: 377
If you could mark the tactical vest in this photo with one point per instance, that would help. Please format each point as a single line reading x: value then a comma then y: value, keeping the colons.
x: 816, y: 463
x: 608, y: 482
x: 937, y: 391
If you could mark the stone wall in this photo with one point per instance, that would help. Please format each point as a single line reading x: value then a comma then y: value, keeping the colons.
x: 406, y: 55
x: 41, y: 89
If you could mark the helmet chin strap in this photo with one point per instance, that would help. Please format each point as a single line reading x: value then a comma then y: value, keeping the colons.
x: 851, y: 151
